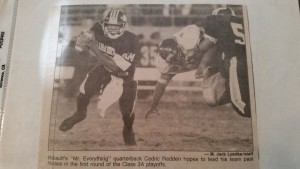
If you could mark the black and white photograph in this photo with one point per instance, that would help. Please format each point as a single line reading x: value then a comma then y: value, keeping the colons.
x: 147, y: 77
x: 149, y: 84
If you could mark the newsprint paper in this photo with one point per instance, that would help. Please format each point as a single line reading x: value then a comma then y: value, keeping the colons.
x: 149, y: 86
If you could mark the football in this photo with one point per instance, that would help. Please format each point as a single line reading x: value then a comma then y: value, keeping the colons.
x: 83, y: 41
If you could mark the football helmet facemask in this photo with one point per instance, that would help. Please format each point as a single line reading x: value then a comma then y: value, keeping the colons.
x: 170, y: 51
x: 114, y: 24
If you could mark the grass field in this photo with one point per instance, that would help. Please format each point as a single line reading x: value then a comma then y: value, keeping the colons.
x: 185, y: 123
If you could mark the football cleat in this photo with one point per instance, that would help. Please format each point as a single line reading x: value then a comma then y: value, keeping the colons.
x: 128, y: 134
x: 68, y: 123
x: 129, y: 137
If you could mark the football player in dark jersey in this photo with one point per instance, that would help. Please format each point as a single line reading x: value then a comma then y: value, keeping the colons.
x: 223, y: 65
x: 116, y: 50
x: 225, y: 31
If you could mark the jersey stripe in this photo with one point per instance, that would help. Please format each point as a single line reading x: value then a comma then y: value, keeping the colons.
x: 121, y: 62
x: 117, y: 13
x: 235, y: 92
x: 114, y: 16
x: 111, y: 14
x: 81, y: 89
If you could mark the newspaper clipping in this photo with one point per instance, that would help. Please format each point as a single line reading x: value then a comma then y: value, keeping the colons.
x: 149, y: 86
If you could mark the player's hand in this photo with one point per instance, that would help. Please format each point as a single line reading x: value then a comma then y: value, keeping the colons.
x: 189, y: 59
x: 93, y: 46
x: 152, y: 112
x: 84, y: 41
x: 198, y: 74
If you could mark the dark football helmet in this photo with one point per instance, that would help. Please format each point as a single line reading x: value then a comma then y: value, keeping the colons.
x: 170, y: 51
x: 114, y: 24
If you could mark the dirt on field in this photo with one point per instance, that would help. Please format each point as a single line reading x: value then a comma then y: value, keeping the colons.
x: 185, y: 124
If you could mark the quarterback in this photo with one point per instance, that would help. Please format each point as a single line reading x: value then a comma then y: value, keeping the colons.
x: 116, y: 50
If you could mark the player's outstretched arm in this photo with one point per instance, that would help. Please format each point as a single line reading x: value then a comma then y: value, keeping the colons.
x: 158, y: 93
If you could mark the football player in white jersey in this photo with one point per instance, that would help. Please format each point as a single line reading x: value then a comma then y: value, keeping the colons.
x: 182, y: 53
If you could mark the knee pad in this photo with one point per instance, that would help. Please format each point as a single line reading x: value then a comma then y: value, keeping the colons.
x: 210, y: 98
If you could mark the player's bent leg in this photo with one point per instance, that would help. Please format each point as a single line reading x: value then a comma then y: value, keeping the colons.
x: 92, y: 84
x: 127, y: 102
x: 214, y: 89
x: 210, y: 97
x: 82, y: 103
x: 241, y: 104
x: 239, y: 87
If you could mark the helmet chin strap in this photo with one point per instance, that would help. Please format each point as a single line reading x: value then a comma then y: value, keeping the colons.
x: 115, y: 36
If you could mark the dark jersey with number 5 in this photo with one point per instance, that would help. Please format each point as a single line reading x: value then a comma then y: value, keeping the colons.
x: 228, y: 34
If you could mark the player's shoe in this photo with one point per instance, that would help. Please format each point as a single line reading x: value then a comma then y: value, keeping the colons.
x: 128, y: 134
x: 68, y: 123
x: 129, y: 137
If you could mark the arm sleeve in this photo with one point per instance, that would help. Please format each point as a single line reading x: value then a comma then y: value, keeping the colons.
x: 128, y: 58
x: 211, y: 29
